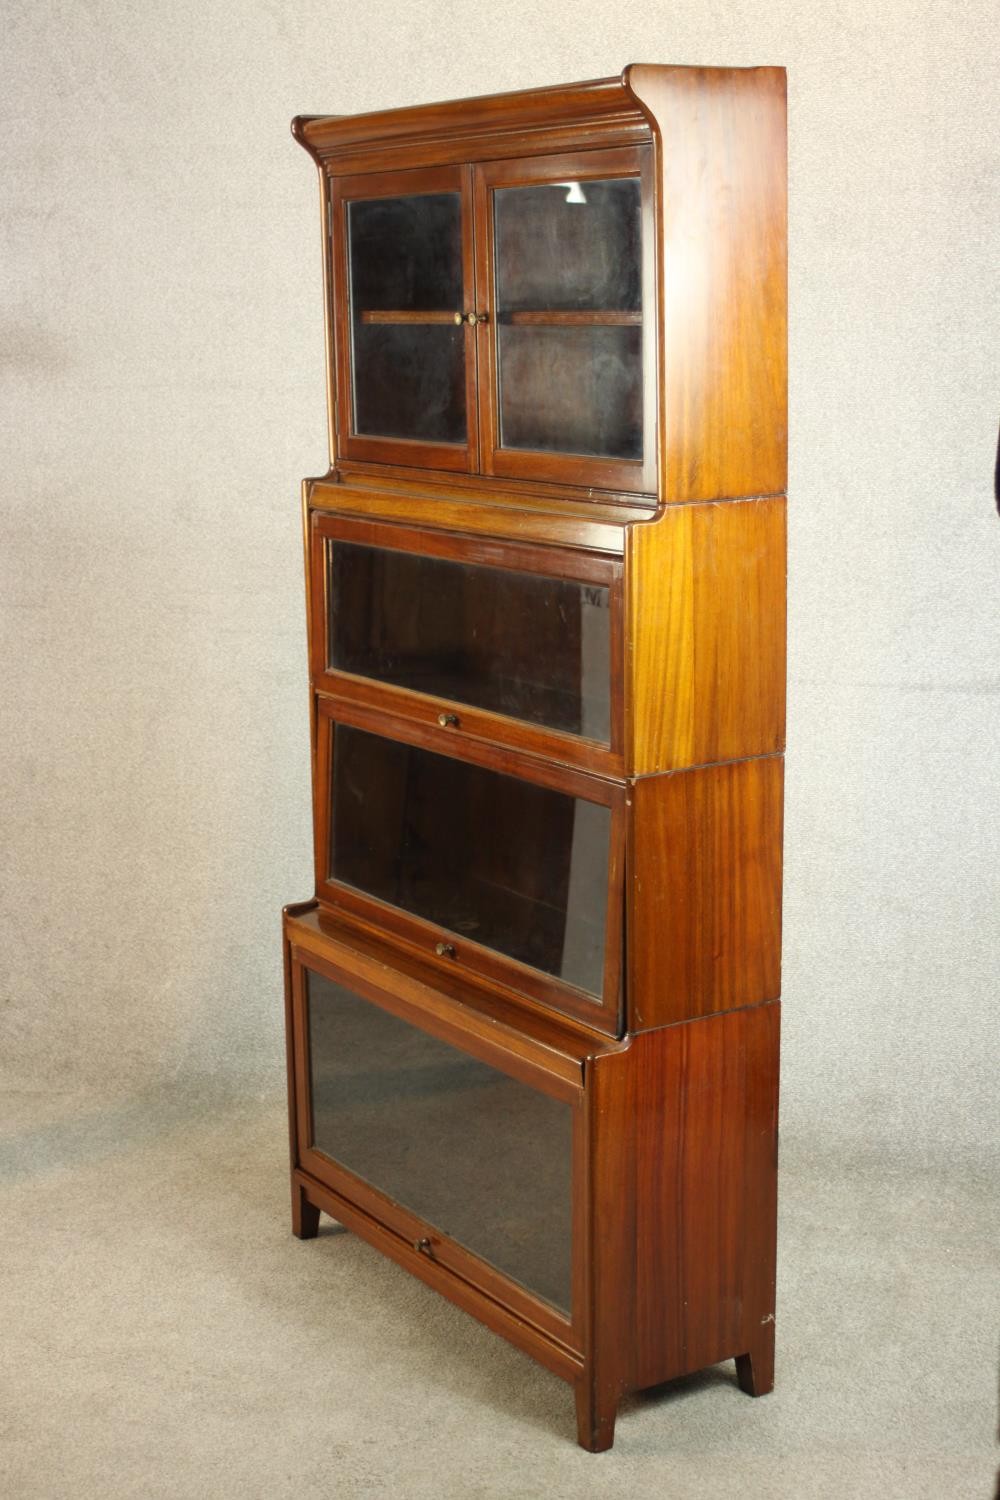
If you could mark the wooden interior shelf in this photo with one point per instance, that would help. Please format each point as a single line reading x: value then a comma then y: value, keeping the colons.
x: 572, y: 319
x: 393, y: 315
x: 541, y: 317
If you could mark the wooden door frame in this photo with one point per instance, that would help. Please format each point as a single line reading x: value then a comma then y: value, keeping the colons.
x: 489, y: 966
x: 406, y: 1223
x: 633, y: 476
x: 410, y: 182
x: 481, y: 724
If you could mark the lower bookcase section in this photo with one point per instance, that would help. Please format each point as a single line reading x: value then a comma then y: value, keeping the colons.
x: 607, y: 1206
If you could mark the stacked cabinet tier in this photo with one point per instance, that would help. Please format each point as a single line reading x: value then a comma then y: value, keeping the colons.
x: 532, y: 1009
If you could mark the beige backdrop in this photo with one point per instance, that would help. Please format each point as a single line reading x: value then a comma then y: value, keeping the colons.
x: 162, y: 351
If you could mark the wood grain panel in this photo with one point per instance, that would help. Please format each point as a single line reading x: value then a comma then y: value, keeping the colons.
x: 721, y: 176
x: 697, y: 1186
x: 705, y: 609
x: 703, y: 927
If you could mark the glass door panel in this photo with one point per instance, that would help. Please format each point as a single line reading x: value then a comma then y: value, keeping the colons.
x: 406, y: 357
x: 569, y: 316
x: 523, y: 644
x: 408, y: 350
x: 478, y: 1155
x: 499, y: 862
x: 569, y: 287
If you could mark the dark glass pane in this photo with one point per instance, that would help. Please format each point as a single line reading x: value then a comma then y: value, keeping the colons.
x: 515, y: 866
x: 533, y: 647
x: 571, y: 390
x: 569, y: 310
x: 478, y: 1156
x: 564, y: 246
x: 406, y: 271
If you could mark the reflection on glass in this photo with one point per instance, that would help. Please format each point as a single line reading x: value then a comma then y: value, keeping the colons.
x: 408, y: 358
x: 533, y: 647
x: 517, y: 867
x: 477, y: 1155
x: 569, y: 309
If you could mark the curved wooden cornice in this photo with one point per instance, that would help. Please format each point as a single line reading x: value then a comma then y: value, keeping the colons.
x: 603, y: 105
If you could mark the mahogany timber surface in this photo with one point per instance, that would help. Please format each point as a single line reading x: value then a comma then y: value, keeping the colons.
x: 705, y: 606
x: 722, y: 179
x: 704, y: 918
x: 684, y: 1200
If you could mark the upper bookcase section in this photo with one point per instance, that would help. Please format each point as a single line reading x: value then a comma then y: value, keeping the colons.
x: 575, y: 291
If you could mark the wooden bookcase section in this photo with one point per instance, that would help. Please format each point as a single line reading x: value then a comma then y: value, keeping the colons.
x: 533, y: 1007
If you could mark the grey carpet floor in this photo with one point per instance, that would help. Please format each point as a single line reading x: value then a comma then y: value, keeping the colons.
x: 162, y: 1335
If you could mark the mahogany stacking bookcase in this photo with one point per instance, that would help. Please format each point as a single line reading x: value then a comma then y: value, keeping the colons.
x: 533, y: 1007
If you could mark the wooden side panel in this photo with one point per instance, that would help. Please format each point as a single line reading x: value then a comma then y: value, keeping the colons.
x: 705, y: 605
x: 703, y: 925
x: 697, y: 1185
x: 722, y: 180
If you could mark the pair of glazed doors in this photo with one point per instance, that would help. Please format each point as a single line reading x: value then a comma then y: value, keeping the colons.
x: 495, y: 318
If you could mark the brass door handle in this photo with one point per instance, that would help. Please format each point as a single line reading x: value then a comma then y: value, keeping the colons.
x: 444, y: 950
x: 448, y: 721
x: 473, y: 318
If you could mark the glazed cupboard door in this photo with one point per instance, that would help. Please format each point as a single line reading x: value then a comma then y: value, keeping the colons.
x: 405, y: 353
x: 567, y: 349
x: 504, y: 869
x: 461, y: 1147
x: 506, y: 642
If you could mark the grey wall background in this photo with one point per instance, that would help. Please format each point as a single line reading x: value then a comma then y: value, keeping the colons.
x: 162, y: 357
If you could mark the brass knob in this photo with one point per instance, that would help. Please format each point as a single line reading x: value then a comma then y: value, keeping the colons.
x: 448, y: 721
x: 424, y: 1246
x: 459, y: 319
x: 444, y: 950
x: 473, y: 318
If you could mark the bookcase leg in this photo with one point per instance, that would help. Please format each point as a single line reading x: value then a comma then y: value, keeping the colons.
x: 305, y: 1215
x: 595, y: 1418
x: 755, y: 1369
